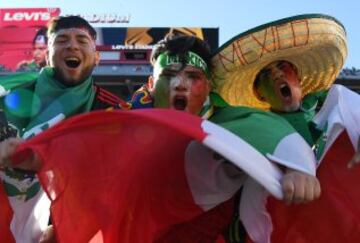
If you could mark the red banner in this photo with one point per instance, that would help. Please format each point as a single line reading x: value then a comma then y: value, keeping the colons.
x: 26, y: 17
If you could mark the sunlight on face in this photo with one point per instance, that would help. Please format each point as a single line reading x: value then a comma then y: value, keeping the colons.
x: 39, y: 54
x: 73, y: 54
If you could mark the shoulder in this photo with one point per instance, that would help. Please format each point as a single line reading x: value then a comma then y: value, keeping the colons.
x: 314, y: 101
x: 233, y: 113
x: 105, y: 99
x: 252, y: 124
x: 11, y: 82
x: 141, y: 99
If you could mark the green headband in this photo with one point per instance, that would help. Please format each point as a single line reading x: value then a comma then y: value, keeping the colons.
x: 164, y: 60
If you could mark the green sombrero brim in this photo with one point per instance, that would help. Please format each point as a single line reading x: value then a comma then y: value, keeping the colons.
x: 315, y: 44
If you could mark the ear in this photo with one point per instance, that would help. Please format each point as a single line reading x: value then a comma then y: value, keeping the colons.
x: 97, y: 57
x: 208, y: 86
x: 47, y: 57
x: 150, y: 83
x: 258, y: 94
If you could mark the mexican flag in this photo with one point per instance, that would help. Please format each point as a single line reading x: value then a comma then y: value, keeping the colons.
x: 5, y: 217
x: 335, y: 216
x: 22, y: 217
x: 14, y: 81
x: 32, y: 103
x: 128, y: 176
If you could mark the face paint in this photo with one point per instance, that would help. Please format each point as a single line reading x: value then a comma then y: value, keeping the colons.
x: 280, y: 86
x: 185, y: 90
x: 161, y: 92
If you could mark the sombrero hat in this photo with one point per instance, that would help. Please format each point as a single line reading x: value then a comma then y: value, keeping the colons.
x: 316, y: 44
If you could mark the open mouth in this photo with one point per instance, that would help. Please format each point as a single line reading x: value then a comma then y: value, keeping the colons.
x: 285, y: 91
x: 72, y: 62
x: 180, y: 102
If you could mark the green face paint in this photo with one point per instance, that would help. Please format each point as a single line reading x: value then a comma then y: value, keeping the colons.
x: 191, y: 75
x: 172, y: 62
x: 162, y: 93
x: 280, y: 86
x: 266, y: 88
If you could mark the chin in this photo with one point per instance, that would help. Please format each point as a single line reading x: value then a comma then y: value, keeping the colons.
x: 192, y: 111
x: 292, y: 108
x: 71, y: 82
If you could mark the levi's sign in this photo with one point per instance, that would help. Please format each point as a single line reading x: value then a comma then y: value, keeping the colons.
x: 24, y: 16
x: 27, y: 16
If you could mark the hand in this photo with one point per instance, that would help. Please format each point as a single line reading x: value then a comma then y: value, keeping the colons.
x: 299, y: 187
x: 23, y: 64
x: 7, y: 150
x: 48, y: 236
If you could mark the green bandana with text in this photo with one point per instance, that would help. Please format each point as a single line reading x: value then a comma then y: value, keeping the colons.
x: 164, y: 60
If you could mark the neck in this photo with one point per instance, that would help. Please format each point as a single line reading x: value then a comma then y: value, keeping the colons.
x: 59, y: 77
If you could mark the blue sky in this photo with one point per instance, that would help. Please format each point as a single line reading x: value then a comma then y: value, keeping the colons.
x: 232, y: 17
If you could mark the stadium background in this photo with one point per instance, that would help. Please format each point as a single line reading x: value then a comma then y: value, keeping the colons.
x: 124, y: 52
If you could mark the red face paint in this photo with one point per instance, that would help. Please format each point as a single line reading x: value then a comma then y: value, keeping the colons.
x: 280, y: 86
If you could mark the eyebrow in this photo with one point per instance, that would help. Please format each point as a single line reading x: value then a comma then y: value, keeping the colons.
x: 265, y: 71
x: 282, y: 64
x: 197, y: 72
x: 79, y: 35
x: 193, y: 71
x: 168, y: 70
x: 61, y: 36
x: 83, y: 36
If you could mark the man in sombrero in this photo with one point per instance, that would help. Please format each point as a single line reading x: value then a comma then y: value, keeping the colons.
x: 288, y: 67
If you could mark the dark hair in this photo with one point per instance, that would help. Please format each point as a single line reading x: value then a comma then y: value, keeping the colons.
x: 178, y: 44
x: 67, y: 22
x: 41, y: 32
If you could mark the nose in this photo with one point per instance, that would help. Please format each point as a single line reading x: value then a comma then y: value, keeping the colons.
x: 182, y: 83
x: 73, y: 44
x: 278, y: 74
x: 180, y: 86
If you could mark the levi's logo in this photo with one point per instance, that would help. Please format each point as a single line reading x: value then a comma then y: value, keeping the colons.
x: 27, y: 16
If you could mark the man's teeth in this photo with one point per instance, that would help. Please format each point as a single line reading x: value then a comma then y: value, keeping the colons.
x: 72, y: 62
x: 72, y: 59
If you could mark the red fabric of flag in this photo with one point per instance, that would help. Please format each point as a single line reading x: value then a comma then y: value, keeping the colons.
x: 117, y: 176
x: 335, y: 216
x: 6, y: 215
